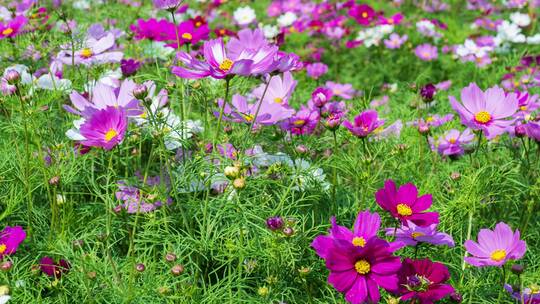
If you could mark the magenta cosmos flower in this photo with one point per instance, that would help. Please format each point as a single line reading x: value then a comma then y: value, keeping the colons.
x: 364, y: 123
x: 302, y: 122
x: 363, y: 13
x: 53, y: 269
x: 411, y: 234
x: 316, y: 70
x: 424, y: 281
x: 495, y: 247
x: 365, y: 227
x: 345, y: 91
x: 453, y: 142
x: 222, y: 61
x: 405, y: 205
x: 13, y: 27
x: 269, y: 113
x: 10, y: 239
x: 104, y: 128
x: 426, y: 52
x: 358, y: 272
x: 152, y: 29
x: 490, y: 111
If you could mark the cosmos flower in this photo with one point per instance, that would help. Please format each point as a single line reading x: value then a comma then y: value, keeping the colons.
x: 405, y: 205
x: 358, y: 272
x: 10, y: 239
x: 425, y: 125
x: 395, y: 41
x: 280, y: 89
x: 490, y: 111
x: 365, y: 227
x: 316, y: 70
x: 364, y: 123
x: 302, y: 122
x: 104, y: 128
x: 527, y: 104
x: 94, y: 51
x: 53, y: 269
x: 269, y: 113
x: 453, y: 142
x: 423, y: 281
x: 129, y: 66
x: 495, y: 247
x: 410, y: 234
x: 244, y: 15
x: 166, y: 4
x: 320, y: 96
x: 13, y: 27
x: 345, y: 91
x: 362, y: 13
x: 152, y: 29
x: 529, y: 295
x: 426, y: 52
x: 190, y: 33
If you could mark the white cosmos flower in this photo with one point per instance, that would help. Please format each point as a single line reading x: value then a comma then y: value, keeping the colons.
x: 534, y: 39
x: 244, y: 15
x: 270, y: 31
x: 520, y: 19
x: 287, y: 19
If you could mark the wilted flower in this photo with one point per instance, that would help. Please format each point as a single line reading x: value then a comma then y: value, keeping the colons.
x: 53, y: 269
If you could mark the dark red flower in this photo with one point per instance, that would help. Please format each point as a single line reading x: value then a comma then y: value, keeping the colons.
x: 423, y: 280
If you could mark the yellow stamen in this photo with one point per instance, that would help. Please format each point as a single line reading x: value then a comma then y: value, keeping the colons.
x: 198, y: 23
x: 523, y: 108
x: 7, y: 31
x: 226, y: 65
x: 452, y: 140
x: 416, y: 234
x: 429, y: 119
x: 482, y: 117
x: 112, y: 133
x: 187, y: 36
x: 364, y: 15
x: 359, y: 241
x: 86, y: 53
x: 362, y: 267
x: 498, y: 255
x: 3, y: 248
x: 248, y: 117
x: 278, y: 100
x: 404, y: 210
x: 299, y: 122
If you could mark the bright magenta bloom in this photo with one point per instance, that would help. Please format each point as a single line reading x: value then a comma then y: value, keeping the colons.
x: 405, y: 205
x: 105, y: 128
x: 495, y: 247
x: 364, y: 123
x: 424, y: 281
x: 13, y: 27
x: 10, y: 239
x: 490, y: 111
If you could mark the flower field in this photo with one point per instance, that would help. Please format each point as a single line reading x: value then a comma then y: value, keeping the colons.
x: 285, y: 151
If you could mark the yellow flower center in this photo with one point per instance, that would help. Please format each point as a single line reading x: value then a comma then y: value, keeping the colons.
x: 144, y: 115
x: 359, y: 241
x: 416, y: 234
x: 429, y: 119
x: 299, y: 122
x: 110, y: 135
x: 248, y: 117
x: 187, y: 36
x: 278, y: 100
x: 337, y: 92
x: 404, y: 210
x: 482, y: 117
x: 452, y: 140
x: 523, y: 108
x: 362, y: 267
x: 498, y: 255
x: 364, y: 15
x: 7, y: 31
x: 226, y: 65
x: 86, y: 53
x: 198, y: 23
x: 3, y: 248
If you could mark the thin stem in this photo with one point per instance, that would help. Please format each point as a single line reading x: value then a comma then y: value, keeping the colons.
x: 225, y: 101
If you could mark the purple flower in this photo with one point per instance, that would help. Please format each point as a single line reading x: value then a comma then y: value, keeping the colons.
x: 529, y: 295
x: 274, y: 223
x: 345, y: 91
x: 430, y: 122
x: 302, y: 122
x: 321, y: 96
x: 405, y: 205
x: 490, y: 111
x: 53, y: 269
x: 166, y: 4
x: 428, y: 92
x: 269, y: 113
x: 410, y: 234
x: 129, y: 66
x: 452, y: 143
x: 364, y: 123
x: 395, y: 41
x: 135, y: 200
x: 423, y: 280
x: 426, y: 52
x: 495, y: 247
x: 94, y: 51
x: 316, y: 70
x: 10, y: 239
x: 362, y: 13
x: 279, y: 89
x: 527, y: 104
x: 13, y: 27
x: 104, y: 128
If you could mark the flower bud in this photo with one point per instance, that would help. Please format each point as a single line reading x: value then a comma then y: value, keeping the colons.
x: 53, y: 181
x: 423, y: 129
x: 77, y: 244
x: 321, y: 96
x: 232, y: 172
x: 177, y: 269
x: 274, y: 223
x: 520, y: 130
x: 288, y: 231
x: 170, y: 257
x: 140, y: 91
x: 6, y: 266
x: 239, y: 183
x: 301, y: 149
x: 455, y: 176
x: 517, y: 269
x: 12, y: 77
x: 140, y: 267
x: 428, y: 92
x: 163, y: 290
x: 456, y: 297
x: 91, y: 275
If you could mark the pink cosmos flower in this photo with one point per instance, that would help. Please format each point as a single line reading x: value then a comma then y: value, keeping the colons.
x: 152, y: 29
x: 104, y: 128
x: 527, y: 104
x: 166, y: 4
x: 10, y: 239
x: 426, y: 52
x: 495, y: 247
x: 364, y: 123
x: 453, y: 142
x: 490, y: 111
x: 405, y: 205
x: 395, y: 41
x: 423, y: 281
x: 13, y: 27
x: 243, y: 112
x: 95, y: 51
x: 316, y: 70
x: 279, y: 89
x: 345, y: 91
x: 190, y: 33
x: 411, y: 234
x: 302, y: 122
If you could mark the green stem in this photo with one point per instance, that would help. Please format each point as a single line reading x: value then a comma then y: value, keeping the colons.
x: 225, y: 101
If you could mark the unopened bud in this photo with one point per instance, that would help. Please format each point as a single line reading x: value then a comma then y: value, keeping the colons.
x: 140, y: 91
x: 177, y: 269
x: 232, y: 172
x: 140, y: 267
x: 6, y: 266
x: 170, y: 257
x: 12, y: 77
x: 239, y: 183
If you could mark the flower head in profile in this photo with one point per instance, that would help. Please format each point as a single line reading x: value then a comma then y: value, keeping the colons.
x: 453, y: 142
x: 10, y: 239
x: 405, y: 205
x: 426, y: 52
x: 411, y: 234
x: 104, y: 128
x: 267, y: 113
x: 490, y: 112
x: 170, y: 5
x: 424, y: 281
x: 53, y: 269
x: 495, y: 247
x: 364, y: 123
